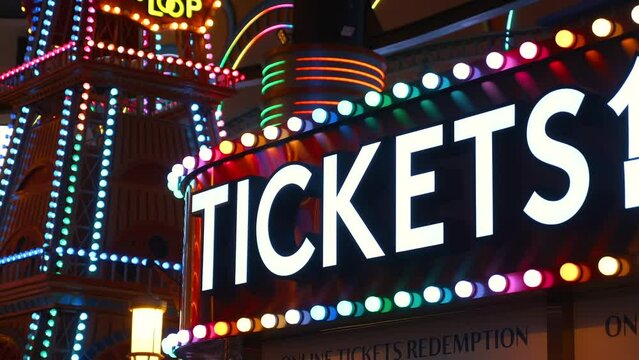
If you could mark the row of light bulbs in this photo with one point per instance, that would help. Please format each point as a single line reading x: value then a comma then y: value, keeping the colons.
x: 531, y: 279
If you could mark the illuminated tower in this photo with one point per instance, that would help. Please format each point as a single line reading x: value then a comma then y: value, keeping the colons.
x: 99, y: 115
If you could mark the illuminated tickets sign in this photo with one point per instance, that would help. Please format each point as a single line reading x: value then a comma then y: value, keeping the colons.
x: 554, y: 174
x: 193, y: 15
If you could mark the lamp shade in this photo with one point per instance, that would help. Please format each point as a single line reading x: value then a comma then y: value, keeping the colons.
x: 146, y: 329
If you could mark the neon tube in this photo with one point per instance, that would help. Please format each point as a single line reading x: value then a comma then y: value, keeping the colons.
x: 339, y: 79
x: 254, y: 19
x: 270, y: 108
x: 344, y: 60
x: 316, y: 102
x: 337, y: 69
x: 256, y: 38
x: 274, y: 73
x: 268, y: 67
x: 271, y: 84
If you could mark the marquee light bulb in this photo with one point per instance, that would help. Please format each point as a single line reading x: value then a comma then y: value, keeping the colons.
x: 319, y: 312
x: 293, y: 317
x: 464, y: 289
x: 533, y: 278
x: 565, y: 39
x: 245, y: 324
x: 602, y: 27
x: 529, y: 50
x: 431, y: 81
x: 635, y: 14
x: 462, y: 71
x: 189, y: 163
x: 205, y: 154
x: 319, y: 115
x: 497, y: 283
x: 178, y: 169
x: 570, y: 272
x: 373, y: 99
x: 433, y: 294
x: 401, y: 90
x: 227, y: 147
x: 495, y: 60
x: 271, y: 132
x: 345, y: 308
x: 184, y: 336
x: 295, y: 124
x: 609, y: 266
x: 374, y: 304
x: 403, y: 299
x: 345, y: 108
x: 200, y: 331
x: 248, y: 139
x: 269, y: 321
x: 221, y: 328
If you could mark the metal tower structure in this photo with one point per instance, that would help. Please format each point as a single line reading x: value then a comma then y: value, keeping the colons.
x: 99, y: 115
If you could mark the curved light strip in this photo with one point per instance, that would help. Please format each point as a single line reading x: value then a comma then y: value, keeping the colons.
x: 254, y: 19
x: 270, y: 108
x: 339, y: 79
x: 269, y: 118
x: 256, y: 38
x: 345, y: 60
x: 316, y: 102
x: 274, y: 73
x: 375, y: 4
x: 268, y: 67
x: 271, y: 84
x: 337, y: 69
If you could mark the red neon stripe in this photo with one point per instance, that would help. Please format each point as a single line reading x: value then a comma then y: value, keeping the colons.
x: 303, y: 112
x: 339, y: 79
x: 316, y: 102
x: 351, y: 71
x: 343, y: 60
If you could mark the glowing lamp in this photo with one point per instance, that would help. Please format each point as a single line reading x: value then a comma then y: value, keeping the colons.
x: 205, y: 154
x: 570, y: 272
x: 497, y: 283
x: 602, y: 27
x: 433, y: 294
x: 295, y: 124
x: 245, y: 324
x: 345, y: 308
x: 269, y: 321
x: 248, y: 139
x: 189, y: 163
x: 635, y: 14
x: 495, y: 60
x: 200, y: 332
x: 345, y: 108
x: 227, y: 147
x: 401, y: 90
x: 373, y: 99
x: 184, y: 336
x: 293, y: 317
x: 565, y: 39
x: 146, y: 329
x: 319, y: 115
x: 169, y: 343
x: 271, y: 132
x: 464, y: 289
x: 609, y: 266
x: 319, y: 312
x: 462, y: 71
x: 431, y: 81
x: 374, y: 304
x: 533, y: 278
x: 403, y: 299
x: 529, y: 50
x: 222, y: 328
